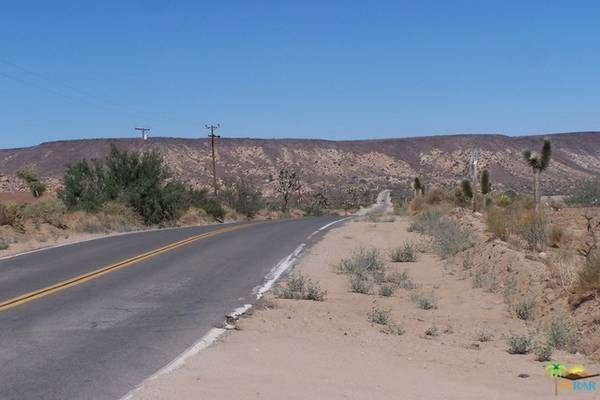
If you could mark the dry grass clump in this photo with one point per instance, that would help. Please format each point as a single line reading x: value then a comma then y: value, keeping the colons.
x: 486, y: 277
x: 11, y: 215
x: 113, y: 217
x: 448, y: 237
x: 387, y: 290
x: 558, y: 236
x: 364, y: 268
x: 484, y: 335
x: 562, y: 334
x: 589, y: 275
x: 400, y: 280
x: 360, y: 283
x: 300, y: 287
x: 543, y: 352
x: 525, y: 309
x: 363, y: 261
x: 519, y: 344
x: 518, y: 219
x: 405, y: 253
x: 383, y: 317
x: 4, y: 243
x: 435, y: 198
x: 50, y: 211
x: 425, y: 301
x: 562, y: 266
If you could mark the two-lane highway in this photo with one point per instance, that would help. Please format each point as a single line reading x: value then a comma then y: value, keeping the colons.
x: 92, y: 320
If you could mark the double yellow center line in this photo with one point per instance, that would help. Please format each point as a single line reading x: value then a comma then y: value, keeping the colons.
x: 36, y: 294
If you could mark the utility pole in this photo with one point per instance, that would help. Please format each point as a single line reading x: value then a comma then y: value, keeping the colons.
x: 144, y: 132
x: 473, y: 170
x: 212, y: 136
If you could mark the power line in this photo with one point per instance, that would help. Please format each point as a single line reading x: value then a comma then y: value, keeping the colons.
x: 78, y: 95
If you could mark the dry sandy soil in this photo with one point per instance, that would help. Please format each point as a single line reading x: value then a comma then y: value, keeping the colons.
x: 291, y: 349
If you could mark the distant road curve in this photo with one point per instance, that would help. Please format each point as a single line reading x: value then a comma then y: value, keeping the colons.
x: 92, y: 320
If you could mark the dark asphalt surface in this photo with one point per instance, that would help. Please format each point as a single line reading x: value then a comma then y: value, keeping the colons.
x: 103, y: 337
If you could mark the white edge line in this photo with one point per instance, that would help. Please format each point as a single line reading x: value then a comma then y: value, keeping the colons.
x: 334, y: 222
x: 215, y: 333
x: 325, y: 227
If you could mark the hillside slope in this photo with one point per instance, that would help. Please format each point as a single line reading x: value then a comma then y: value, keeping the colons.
x: 441, y: 160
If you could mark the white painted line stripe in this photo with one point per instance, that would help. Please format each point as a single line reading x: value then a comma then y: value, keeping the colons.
x: 211, y: 336
x: 278, y: 270
x: 215, y: 333
x: 334, y: 222
x: 312, y: 234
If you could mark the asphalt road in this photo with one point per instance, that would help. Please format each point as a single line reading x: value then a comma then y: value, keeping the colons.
x: 100, y: 336
x: 383, y: 204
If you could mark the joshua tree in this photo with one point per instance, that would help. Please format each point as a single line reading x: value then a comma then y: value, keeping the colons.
x: 466, y: 188
x: 418, y: 187
x: 36, y: 186
x: 486, y: 185
x: 538, y: 163
x: 288, y: 182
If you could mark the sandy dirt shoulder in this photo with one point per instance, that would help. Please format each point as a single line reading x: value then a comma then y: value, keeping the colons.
x: 294, y: 349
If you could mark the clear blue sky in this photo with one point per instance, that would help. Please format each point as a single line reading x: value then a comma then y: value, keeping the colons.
x: 321, y: 69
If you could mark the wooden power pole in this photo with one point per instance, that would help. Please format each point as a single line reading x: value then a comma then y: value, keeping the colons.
x: 212, y: 136
x: 144, y: 132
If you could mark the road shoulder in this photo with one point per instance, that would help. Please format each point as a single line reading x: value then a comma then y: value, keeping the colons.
x: 298, y: 349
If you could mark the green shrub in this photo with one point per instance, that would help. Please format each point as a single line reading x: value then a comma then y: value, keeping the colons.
x: 562, y: 334
x: 391, y: 328
x: 426, y: 222
x: 449, y: 239
x: 543, y: 352
x: 425, y: 301
x: 386, y: 290
x: 380, y: 316
x: 212, y: 206
x: 400, y: 280
x: 519, y: 344
x: 315, y: 204
x: 525, y: 309
x: 83, y: 186
x: 46, y: 211
x: 243, y: 196
x: 405, y: 253
x: 299, y: 287
x: 359, y: 283
x: 138, y: 179
x: 363, y: 262
x: 505, y: 199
